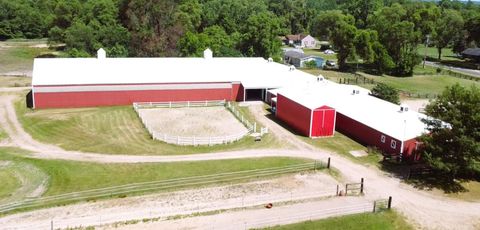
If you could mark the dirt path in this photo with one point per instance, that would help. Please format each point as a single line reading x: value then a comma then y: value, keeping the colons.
x: 429, y: 211
x: 263, y: 217
x: 163, y: 205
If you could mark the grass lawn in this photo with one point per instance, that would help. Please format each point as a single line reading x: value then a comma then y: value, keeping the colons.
x: 384, y: 221
x: 432, y: 53
x: 3, y: 134
x: 424, y: 81
x: 18, y: 55
x: 114, y: 130
x: 342, y: 145
x: 318, y: 52
x: 71, y: 176
x: 15, y: 81
x: 9, y: 183
x: 423, y: 84
x: 472, y: 193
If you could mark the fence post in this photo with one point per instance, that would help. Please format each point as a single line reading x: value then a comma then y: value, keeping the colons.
x: 337, y: 190
x: 328, y: 163
x: 178, y: 140
x: 194, y: 140
x: 170, y: 104
x: 254, y: 127
x: 361, y: 186
x: 374, y: 205
x: 188, y: 104
x: 346, y: 189
x: 389, y: 202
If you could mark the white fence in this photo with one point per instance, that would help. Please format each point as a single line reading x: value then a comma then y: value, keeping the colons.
x: 212, y: 140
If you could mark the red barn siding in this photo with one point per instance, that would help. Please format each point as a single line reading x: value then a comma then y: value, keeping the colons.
x: 366, y: 135
x: 294, y: 114
x: 237, y: 92
x: 323, y: 122
x: 110, y: 98
x: 410, y: 150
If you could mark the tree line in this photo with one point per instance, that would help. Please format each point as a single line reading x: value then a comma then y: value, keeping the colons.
x: 383, y: 34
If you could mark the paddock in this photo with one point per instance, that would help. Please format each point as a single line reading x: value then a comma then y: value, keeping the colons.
x: 192, y: 124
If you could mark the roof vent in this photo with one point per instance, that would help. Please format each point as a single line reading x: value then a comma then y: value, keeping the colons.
x: 320, y: 78
x: 403, y: 108
x: 355, y: 91
x: 101, y: 54
x: 292, y: 68
x: 270, y: 59
x: 207, y: 54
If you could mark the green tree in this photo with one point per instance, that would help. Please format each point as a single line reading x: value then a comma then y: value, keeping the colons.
x: 214, y: 37
x: 361, y: 9
x: 260, y: 36
x: 341, y: 32
x: 386, y: 92
x: 452, y: 147
x: 189, y: 14
x: 398, y: 36
x: 231, y: 15
x: 154, y: 32
x: 448, y: 26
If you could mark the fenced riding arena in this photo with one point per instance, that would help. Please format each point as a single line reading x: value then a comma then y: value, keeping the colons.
x: 195, y: 122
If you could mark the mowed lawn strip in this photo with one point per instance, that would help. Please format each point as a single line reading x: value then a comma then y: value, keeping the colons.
x: 113, y: 130
x: 72, y: 176
x: 18, y: 56
x: 424, y: 81
x: 389, y: 220
x: 9, y: 182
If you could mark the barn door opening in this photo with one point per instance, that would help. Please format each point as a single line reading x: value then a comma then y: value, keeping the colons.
x: 255, y: 94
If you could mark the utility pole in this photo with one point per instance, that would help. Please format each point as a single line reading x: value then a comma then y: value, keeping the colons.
x: 426, y: 47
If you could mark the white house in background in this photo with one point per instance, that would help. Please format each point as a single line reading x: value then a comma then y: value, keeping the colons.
x: 304, y: 41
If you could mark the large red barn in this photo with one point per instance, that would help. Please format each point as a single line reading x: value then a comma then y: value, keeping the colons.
x: 102, y: 81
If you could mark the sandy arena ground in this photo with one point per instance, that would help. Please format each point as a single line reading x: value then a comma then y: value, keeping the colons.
x: 199, y: 121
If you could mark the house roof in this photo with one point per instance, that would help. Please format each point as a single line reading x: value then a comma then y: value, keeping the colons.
x: 296, y: 37
x: 296, y: 54
x: 472, y: 52
x: 252, y: 72
x: 378, y: 114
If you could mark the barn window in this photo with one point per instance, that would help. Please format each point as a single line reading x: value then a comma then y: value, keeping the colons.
x: 393, y: 144
x: 382, y: 138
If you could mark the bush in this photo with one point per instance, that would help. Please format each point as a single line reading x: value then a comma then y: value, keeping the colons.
x: 311, y: 64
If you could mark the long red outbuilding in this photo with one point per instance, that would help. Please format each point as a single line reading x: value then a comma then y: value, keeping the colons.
x: 312, y: 106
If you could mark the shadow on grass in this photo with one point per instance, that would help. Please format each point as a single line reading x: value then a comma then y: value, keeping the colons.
x: 421, y: 177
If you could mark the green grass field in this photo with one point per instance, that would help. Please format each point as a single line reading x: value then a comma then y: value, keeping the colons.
x: 389, y: 220
x: 424, y: 81
x: 317, y: 52
x: 9, y: 182
x: 17, y: 55
x: 432, y: 53
x: 70, y: 176
x: 114, y: 130
x: 342, y: 145
x: 15, y: 81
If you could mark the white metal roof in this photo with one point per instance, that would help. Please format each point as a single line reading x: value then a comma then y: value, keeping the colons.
x: 252, y: 72
x: 378, y: 114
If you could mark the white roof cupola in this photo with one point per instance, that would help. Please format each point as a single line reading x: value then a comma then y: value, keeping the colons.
x: 101, y: 54
x: 207, y: 54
